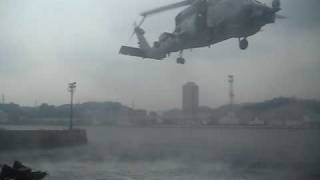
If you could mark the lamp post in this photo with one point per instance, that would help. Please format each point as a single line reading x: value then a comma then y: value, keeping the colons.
x: 231, y: 90
x: 231, y: 96
x: 71, y: 88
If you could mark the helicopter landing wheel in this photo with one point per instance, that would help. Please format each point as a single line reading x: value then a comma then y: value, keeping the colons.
x: 181, y: 60
x: 243, y: 43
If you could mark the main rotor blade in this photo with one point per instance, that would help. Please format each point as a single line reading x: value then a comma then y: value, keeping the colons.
x: 167, y: 7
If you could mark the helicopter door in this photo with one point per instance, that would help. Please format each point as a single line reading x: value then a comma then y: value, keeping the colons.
x: 188, y: 26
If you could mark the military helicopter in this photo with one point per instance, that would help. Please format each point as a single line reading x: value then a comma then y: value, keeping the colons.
x: 204, y: 23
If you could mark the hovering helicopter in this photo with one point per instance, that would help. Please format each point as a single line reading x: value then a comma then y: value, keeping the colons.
x: 204, y: 23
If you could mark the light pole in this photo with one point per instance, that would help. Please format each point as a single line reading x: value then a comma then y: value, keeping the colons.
x: 231, y: 90
x: 231, y: 95
x: 72, y: 88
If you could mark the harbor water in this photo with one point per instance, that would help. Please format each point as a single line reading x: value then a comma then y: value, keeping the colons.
x: 180, y: 153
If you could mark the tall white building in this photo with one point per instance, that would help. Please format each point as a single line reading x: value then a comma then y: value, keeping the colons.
x: 190, y: 99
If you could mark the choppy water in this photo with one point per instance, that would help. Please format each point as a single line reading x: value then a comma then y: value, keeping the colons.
x: 173, y: 153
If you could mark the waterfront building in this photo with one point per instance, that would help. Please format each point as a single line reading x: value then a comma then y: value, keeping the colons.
x: 190, y: 99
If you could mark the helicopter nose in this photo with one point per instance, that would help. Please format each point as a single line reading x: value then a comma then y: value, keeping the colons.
x: 269, y: 16
x: 264, y: 16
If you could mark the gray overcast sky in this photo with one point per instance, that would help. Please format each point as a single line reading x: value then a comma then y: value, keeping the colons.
x: 44, y: 44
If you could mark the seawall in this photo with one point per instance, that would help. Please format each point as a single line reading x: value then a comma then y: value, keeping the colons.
x: 41, y: 139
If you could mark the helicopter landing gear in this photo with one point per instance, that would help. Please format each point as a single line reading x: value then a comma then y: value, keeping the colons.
x: 180, y: 59
x: 243, y: 43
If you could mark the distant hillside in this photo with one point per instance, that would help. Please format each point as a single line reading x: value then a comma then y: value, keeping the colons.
x: 86, y: 113
x: 278, y: 109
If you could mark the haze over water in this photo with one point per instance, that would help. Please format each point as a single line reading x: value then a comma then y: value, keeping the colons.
x: 182, y: 153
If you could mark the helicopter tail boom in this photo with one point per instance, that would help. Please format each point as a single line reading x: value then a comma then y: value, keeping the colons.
x: 138, y: 52
x: 131, y: 51
x: 144, y: 50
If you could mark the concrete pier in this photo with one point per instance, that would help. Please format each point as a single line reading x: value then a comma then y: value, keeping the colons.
x: 41, y: 139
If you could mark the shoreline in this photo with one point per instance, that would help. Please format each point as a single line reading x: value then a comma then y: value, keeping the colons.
x: 63, y: 128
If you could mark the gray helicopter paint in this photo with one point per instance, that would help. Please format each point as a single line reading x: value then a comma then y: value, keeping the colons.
x: 221, y: 20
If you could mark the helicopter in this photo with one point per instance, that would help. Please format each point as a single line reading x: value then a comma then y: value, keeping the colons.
x: 204, y: 23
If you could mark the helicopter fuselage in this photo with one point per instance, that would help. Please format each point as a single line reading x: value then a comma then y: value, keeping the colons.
x: 207, y: 22
x: 192, y: 30
x: 245, y: 16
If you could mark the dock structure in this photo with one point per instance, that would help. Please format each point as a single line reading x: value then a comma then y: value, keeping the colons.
x: 41, y: 139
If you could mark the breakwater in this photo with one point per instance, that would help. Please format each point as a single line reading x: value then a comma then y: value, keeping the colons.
x: 41, y: 139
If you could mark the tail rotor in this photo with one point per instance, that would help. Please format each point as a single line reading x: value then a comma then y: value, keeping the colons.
x: 135, y: 26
